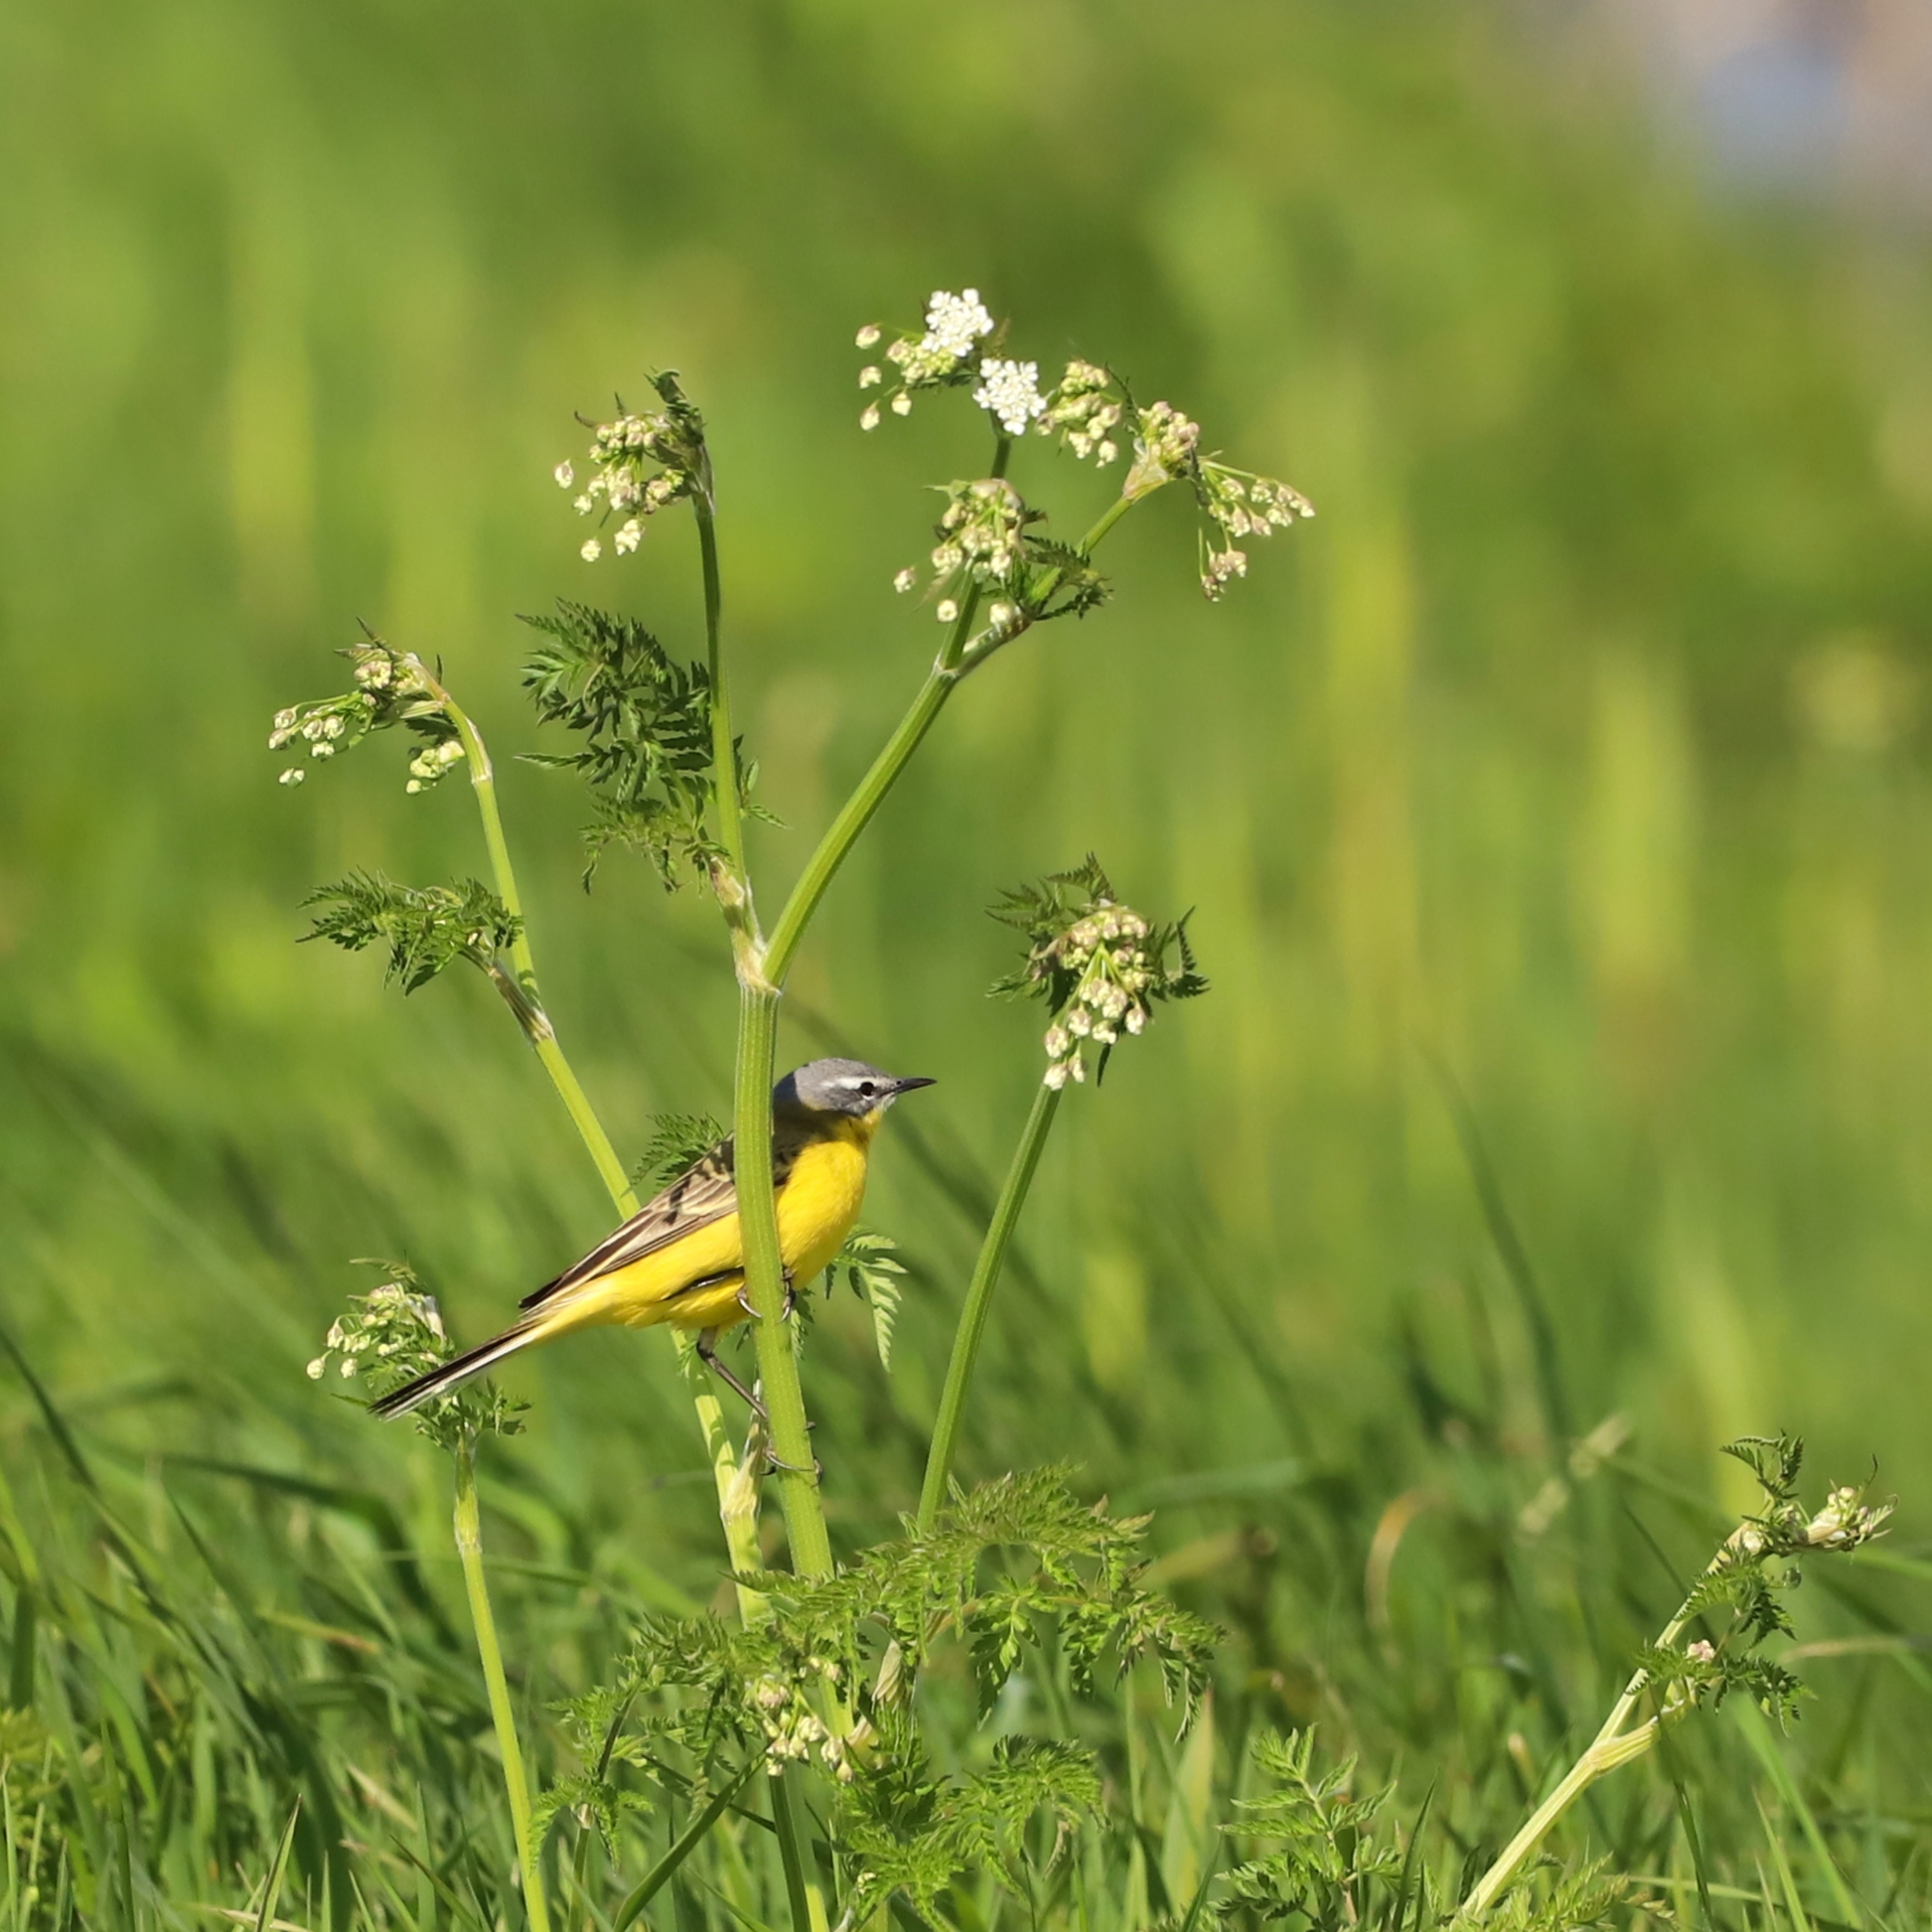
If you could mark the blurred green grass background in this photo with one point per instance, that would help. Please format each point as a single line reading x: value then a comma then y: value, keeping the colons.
x: 1574, y: 749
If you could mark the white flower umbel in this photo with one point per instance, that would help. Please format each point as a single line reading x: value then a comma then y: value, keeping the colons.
x: 1011, y: 392
x: 937, y: 358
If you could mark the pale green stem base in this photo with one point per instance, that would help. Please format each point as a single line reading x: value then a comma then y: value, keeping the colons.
x: 469, y: 1548
x: 972, y: 1317
x: 1611, y: 1747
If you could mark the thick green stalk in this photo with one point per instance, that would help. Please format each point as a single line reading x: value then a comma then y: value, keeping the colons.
x: 979, y: 1291
x: 469, y: 1548
x: 856, y: 812
x: 778, y: 1368
x: 518, y: 986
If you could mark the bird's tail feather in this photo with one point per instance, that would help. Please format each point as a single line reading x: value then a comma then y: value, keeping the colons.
x: 453, y: 1373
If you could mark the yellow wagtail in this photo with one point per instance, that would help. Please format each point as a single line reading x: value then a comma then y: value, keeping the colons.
x: 680, y: 1258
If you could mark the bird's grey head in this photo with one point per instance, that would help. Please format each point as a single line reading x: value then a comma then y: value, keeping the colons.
x: 841, y: 1086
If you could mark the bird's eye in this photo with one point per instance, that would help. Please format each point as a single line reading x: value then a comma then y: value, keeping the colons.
x: 866, y: 1089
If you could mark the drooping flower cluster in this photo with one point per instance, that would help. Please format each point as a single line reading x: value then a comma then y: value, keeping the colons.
x: 793, y: 1729
x: 640, y: 463
x: 1846, y: 1521
x: 1097, y: 963
x: 389, y: 687
x: 1084, y: 411
x: 1241, y: 504
x: 394, y: 1333
x: 938, y: 357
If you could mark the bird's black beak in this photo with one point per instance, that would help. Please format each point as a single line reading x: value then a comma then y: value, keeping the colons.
x: 906, y: 1085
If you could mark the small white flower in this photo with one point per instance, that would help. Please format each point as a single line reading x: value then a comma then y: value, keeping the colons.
x: 591, y: 550
x: 869, y: 377
x: 564, y: 475
x: 414, y: 784
x: 630, y: 536
x: 867, y: 336
x: 1056, y: 1075
x: 902, y: 405
x: 1701, y: 1652
x: 322, y: 749
x: 1011, y: 391
x: 583, y: 505
x: 954, y: 323
x: 869, y: 416
x: 284, y: 719
x: 317, y: 1367
x: 348, y: 1367
x: 947, y: 610
x: 1106, y: 453
x: 905, y: 580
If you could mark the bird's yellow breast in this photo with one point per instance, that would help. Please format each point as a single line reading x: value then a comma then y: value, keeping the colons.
x: 817, y: 1207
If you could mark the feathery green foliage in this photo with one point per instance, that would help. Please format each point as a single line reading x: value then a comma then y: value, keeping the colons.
x: 646, y: 724
x: 425, y: 928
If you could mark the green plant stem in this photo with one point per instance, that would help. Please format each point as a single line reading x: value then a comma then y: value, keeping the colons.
x: 777, y: 1368
x: 520, y: 988
x: 526, y: 1001
x: 469, y: 1548
x: 761, y: 972
x: 1611, y: 1747
x: 978, y: 1299
x: 791, y: 1853
x: 856, y: 812
x: 686, y: 1843
x: 950, y: 667
x: 724, y: 751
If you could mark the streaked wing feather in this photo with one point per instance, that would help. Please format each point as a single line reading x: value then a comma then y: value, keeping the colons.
x: 703, y: 1193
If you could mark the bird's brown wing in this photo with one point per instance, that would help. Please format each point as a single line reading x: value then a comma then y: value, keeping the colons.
x: 703, y: 1193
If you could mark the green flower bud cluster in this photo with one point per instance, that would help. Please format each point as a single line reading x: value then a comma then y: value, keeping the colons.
x: 638, y: 464
x: 1097, y: 963
x: 394, y: 1333
x: 1084, y: 411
